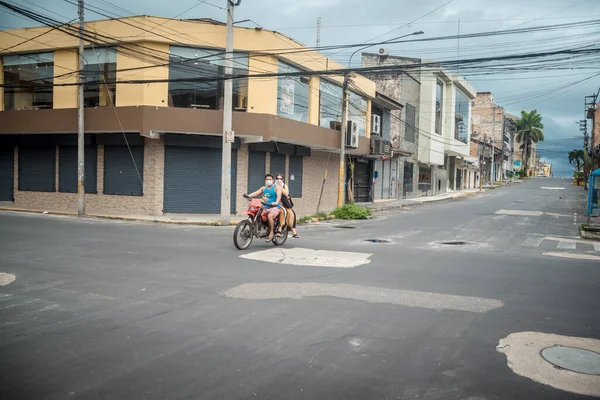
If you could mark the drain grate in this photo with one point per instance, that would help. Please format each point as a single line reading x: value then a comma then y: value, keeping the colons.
x: 344, y: 226
x: 378, y: 241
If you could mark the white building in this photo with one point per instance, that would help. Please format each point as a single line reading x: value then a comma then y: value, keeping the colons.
x: 445, y: 129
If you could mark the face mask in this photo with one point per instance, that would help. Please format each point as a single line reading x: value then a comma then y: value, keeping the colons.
x: 269, y: 182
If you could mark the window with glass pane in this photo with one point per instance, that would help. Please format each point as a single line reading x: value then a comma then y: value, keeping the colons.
x: 28, y: 80
x: 187, y: 63
x: 100, y: 72
x: 439, y: 94
x: 330, y: 105
x: 461, y: 117
x: 292, y: 94
x: 357, y: 112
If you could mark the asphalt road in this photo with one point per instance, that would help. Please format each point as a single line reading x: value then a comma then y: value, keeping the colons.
x: 113, y: 310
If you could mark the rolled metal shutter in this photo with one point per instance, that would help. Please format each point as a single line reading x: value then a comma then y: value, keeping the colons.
x: 7, y: 173
x: 257, y: 163
x: 277, y: 164
x: 67, y: 169
x: 294, y: 178
x: 193, y: 180
x: 37, y: 168
x: 120, y: 174
x: 362, y: 182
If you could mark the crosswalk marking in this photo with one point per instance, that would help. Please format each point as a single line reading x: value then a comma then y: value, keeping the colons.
x: 533, y: 241
x: 572, y: 255
x: 566, y: 245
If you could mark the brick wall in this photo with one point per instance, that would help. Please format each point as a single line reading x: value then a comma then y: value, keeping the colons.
x: 312, y: 180
x: 148, y: 204
x: 487, y: 119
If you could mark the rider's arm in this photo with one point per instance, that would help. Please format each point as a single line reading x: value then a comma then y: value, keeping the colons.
x: 285, y: 190
x: 257, y: 193
x: 278, y: 190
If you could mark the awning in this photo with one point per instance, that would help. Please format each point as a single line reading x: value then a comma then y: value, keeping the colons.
x: 386, y: 102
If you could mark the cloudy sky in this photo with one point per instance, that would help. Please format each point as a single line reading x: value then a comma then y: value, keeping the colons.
x: 557, y: 94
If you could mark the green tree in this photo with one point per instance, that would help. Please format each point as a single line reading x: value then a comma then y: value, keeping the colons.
x: 529, y: 131
x: 576, y: 158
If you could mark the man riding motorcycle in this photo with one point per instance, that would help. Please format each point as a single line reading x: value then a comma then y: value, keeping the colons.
x: 272, y: 198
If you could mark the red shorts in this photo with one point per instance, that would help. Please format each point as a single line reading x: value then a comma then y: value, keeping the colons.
x: 273, y: 211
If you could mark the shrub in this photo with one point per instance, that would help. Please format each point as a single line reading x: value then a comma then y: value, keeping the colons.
x: 351, y: 211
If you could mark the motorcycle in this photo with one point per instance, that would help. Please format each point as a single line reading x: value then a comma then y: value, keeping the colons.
x: 254, y: 226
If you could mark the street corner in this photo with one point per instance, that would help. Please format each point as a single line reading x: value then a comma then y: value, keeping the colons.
x: 567, y: 363
x: 6, y: 279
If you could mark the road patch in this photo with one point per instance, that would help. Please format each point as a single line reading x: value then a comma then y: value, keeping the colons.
x: 520, y: 213
x: 310, y: 257
x: 6, y: 279
x: 524, y: 355
x: 375, y: 295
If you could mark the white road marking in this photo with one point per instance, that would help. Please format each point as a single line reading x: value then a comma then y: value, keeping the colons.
x: 375, y: 295
x: 532, y: 241
x: 559, y: 239
x: 552, y: 187
x: 557, y: 214
x: 574, y: 256
x: 310, y: 257
x: 520, y: 213
x: 523, y: 357
x: 6, y: 279
x: 566, y: 245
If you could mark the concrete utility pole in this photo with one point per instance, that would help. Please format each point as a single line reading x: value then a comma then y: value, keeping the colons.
x: 481, y: 160
x: 80, y: 123
x: 342, y: 180
x: 228, y: 135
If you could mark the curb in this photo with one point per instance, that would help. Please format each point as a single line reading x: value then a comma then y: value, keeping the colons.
x: 116, y: 217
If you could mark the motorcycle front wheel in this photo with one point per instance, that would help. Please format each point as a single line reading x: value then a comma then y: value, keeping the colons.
x: 243, y: 235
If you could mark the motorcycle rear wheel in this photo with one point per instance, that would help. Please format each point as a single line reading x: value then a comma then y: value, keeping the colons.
x: 280, y: 240
x: 243, y: 235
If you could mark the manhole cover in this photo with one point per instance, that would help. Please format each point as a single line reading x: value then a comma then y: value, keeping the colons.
x: 573, y: 359
x: 344, y: 226
x: 378, y: 241
x: 455, y: 242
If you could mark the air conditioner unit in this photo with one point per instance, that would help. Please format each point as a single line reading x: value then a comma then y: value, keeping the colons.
x: 376, y: 124
x: 380, y: 146
x: 352, y: 135
x: 335, y: 125
x: 383, y: 52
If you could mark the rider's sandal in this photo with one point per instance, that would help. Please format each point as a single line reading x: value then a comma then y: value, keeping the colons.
x: 295, y: 236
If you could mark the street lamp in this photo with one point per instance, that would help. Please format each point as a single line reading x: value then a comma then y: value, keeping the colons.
x: 387, y: 41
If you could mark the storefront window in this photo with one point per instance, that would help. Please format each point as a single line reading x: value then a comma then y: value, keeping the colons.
x: 100, y: 66
x: 189, y: 63
x: 330, y: 105
x: 357, y: 107
x: 461, y: 118
x: 292, y: 94
x: 28, y: 81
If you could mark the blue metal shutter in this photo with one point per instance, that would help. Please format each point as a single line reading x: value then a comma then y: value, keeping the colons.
x: 67, y: 169
x: 37, y: 169
x: 7, y: 173
x: 277, y: 164
x: 120, y: 175
x: 295, y: 184
x: 193, y: 180
x: 257, y: 163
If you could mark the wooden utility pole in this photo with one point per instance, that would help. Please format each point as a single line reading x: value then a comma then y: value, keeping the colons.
x: 80, y: 122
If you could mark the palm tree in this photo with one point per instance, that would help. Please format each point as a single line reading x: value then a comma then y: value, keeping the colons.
x: 576, y: 157
x: 529, y: 131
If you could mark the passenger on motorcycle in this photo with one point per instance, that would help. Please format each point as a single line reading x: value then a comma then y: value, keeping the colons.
x: 272, y: 198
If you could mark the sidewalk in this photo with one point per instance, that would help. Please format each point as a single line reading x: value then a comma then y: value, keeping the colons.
x: 182, y: 219
x: 383, y: 206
